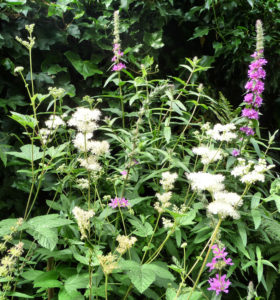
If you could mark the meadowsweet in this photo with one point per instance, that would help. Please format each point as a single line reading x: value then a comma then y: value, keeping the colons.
x: 222, y: 132
x: 18, y: 69
x: 247, y: 174
x: 168, y: 180
x: 119, y: 202
x: 167, y: 223
x: 84, y: 119
x: 125, y: 243
x: 83, y: 183
x: 228, y: 197
x: 98, y: 148
x: 54, y: 122
x: 201, y: 181
x: 219, y: 284
x: 163, y: 201
x: 108, y: 263
x: 90, y: 163
x: 207, y: 154
x: 223, y: 209
x: 81, y: 141
x: 83, y: 217
x: 44, y: 134
x: 56, y: 93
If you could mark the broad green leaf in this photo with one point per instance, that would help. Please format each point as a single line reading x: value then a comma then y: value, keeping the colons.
x: 28, y: 152
x: 46, y: 237
x: 86, y: 68
x: 154, y: 39
x: 32, y: 274
x: 24, y: 120
x: 48, y: 280
x: 142, y: 230
x: 54, y: 152
x: 48, y: 221
x: 5, y: 226
x: 15, y: 2
x: 75, y: 282
x: 160, y: 269
x: 256, y: 200
x: 141, y: 277
x: 67, y: 295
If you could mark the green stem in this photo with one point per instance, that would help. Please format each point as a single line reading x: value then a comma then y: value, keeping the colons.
x: 106, y: 286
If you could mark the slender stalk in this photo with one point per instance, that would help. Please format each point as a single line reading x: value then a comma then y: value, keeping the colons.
x: 106, y: 286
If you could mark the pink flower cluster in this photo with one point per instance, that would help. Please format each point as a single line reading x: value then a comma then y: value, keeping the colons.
x: 254, y: 88
x: 119, y: 202
x: 218, y: 283
x: 117, y: 55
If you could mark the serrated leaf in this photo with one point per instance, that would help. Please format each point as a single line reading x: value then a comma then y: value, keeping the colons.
x: 257, y: 217
x: 28, y: 152
x: 46, y: 237
x: 75, y: 282
x: 86, y: 68
x: 141, y: 277
x: 48, y: 221
x: 24, y: 120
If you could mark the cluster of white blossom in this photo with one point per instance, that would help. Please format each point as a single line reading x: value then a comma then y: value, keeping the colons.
x: 125, y: 243
x: 168, y: 180
x: 52, y: 124
x: 222, y: 132
x: 167, y: 223
x: 83, y: 183
x: 108, y: 263
x: 167, y: 183
x: 85, y: 119
x: 207, y: 154
x: 225, y: 204
x: 203, y: 181
x: 250, y: 172
x: 82, y: 217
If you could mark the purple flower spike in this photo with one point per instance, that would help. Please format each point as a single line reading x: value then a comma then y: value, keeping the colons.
x: 118, y: 67
x: 235, y: 152
x: 250, y: 113
x: 219, y: 284
x: 119, y: 202
x: 247, y: 130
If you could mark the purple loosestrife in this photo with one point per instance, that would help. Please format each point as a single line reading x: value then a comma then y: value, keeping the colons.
x: 254, y: 86
x: 235, y: 152
x: 119, y: 202
x: 219, y: 261
x: 117, y: 46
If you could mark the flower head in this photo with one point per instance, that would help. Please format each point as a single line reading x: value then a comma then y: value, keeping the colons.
x: 119, y: 202
x: 219, y: 284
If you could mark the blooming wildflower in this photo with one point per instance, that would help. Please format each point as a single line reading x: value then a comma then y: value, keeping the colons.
x: 18, y: 69
x: 82, y: 218
x: 208, y: 155
x: 231, y: 198
x: 54, y: 121
x: 219, y: 284
x: 124, y: 173
x: 118, y: 67
x: 249, y: 176
x: 44, y: 134
x: 98, y: 148
x: 81, y: 141
x: 255, y: 86
x: 119, y: 202
x: 168, y: 180
x: 163, y: 201
x: 83, y: 183
x: 247, y: 130
x: 57, y: 93
x: 84, y: 119
x: 125, y: 243
x: 223, y: 209
x: 235, y: 152
x: 108, y: 263
x: 219, y: 260
x: 250, y: 113
x: 167, y: 223
x: 90, y: 163
x: 222, y: 132
x: 201, y: 181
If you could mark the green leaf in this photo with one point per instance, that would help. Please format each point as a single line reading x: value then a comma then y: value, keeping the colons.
x: 86, y: 68
x: 242, y: 232
x: 48, y: 280
x: 141, y: 277
x: 5, y: 226
x: 54, y: 152
x: 19, y: 295
x: 257, y: 217
x: 161, y: 270
x: 46, y: 237
x: 199, y: 32
x: 256, y: 200
x: 142, y: 230
x: 48, y: 221
x: 167, y: 133
x: 24, y: 120
x: 15, y: 2
x: 75, y: 282
x: 154, y: 39
x: 28, y: 152
x: 31, y: 274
